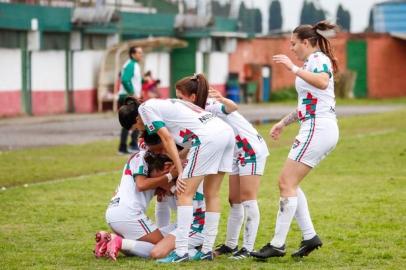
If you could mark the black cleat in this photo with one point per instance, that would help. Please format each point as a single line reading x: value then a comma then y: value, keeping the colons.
x: 223, y: 249
x: 307, y: 246
x: 269, y: 251
x: 243, y: 253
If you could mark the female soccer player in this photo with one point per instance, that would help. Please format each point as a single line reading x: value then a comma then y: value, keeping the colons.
x: 317, y: 137
x: 198, y: 130
x: 126, y: 212
x: 248, y: 163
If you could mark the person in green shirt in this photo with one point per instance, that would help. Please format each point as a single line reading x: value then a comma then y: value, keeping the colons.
x: 131, y: 84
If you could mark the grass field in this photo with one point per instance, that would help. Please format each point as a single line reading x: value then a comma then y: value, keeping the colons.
x: 357, y: 198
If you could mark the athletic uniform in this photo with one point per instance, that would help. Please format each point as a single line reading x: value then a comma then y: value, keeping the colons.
x: 250, y: 150
x: 210, y: 140
x: 126, y: 211
x: 318, y: 133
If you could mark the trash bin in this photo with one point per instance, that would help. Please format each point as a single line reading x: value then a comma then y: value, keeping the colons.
x: 251, y: 91
x: 233, y: 89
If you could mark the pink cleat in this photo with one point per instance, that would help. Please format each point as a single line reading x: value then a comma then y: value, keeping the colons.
x: 102, y: 238
x: 114, y: 246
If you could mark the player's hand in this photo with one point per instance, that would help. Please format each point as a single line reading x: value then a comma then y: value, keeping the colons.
x: 284, y: 60
x: 213, y: 93
x: 276, y: 131
x: 173, y: 171
x: 180, y: 185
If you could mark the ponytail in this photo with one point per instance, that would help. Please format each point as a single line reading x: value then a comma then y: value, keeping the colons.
x: 196, y: 84
x: 317, y: 35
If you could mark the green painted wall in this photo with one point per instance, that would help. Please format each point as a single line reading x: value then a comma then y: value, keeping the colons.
x: 357, y: 61
x: 183, y: 63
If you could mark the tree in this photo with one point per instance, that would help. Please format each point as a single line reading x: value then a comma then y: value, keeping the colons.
x: 343, y: 18
x: 275, y: 16
x: 250, y: 20
x: 311, y: 14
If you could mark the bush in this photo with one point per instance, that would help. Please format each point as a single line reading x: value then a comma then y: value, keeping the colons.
x: 284, y: 94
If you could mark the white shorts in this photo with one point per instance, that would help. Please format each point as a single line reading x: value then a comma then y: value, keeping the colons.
x: 316, y: 139
x: 195, y: 238
x: 250, y: 167
x: 211, y: 157
x: 133, y: 230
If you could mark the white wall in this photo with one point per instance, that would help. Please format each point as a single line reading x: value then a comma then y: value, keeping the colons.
x: 159, y: 64
x: 86, y: 67
x: 10, y: 70
x: 218, y: 68
x: 48, y: 71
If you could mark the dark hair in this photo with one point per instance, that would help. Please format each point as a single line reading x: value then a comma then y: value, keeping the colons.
x: 196, y: 84
x: 132, y: 50
x: 128, y: 112
x: 156, y: 161
x: 311, y: 33
x: 151, y: 139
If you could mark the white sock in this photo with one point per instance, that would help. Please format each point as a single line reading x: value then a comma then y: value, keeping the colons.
x: 234, y: 223
x: 287, y: 209
x: 211, y: 223
x: 184, y: 220
x: 302, y: 216
x: 251, y: 224
x: 192, y: 252
x: 162, y: 214
x: 136, y: 248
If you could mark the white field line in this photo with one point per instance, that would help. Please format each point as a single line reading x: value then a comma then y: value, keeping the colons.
x: 80, y: 177
x: 61, y: 180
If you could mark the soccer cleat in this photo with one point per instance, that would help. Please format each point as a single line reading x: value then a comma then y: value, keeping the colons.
x: 174, y: 258
x: 223, y: 249
x: 200, y: 256
x: 307, y: 246
x: 243, y: 253
x: 268, y: 251
x: 102, y: 238
x: 114, y: 246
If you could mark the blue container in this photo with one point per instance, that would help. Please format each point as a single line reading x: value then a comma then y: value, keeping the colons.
x: 233, y: 93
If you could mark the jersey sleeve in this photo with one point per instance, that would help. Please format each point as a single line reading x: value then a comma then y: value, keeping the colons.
x: 319, y: 63
x: 151, y: 114
x: 137, y: 165
x: 215, y: 107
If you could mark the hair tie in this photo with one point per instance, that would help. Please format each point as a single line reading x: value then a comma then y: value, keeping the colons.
x: 326, y: 33
x: 194, y: 77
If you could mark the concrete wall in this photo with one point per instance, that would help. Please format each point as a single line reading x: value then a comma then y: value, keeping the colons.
x: 86, y: 66
x: 10, y: 82
x: 218, y: 70
x: 159, y: 64
x: 48, y: 82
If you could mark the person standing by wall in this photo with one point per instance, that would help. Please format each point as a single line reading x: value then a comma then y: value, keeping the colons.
x: 131, y: 84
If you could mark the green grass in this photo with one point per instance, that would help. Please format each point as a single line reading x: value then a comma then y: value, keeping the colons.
x: 357, y: 198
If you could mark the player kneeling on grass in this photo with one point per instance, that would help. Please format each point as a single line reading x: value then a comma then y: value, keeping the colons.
x: 126, y: 212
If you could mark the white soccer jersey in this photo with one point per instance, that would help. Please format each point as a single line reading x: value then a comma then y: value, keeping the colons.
x: 314, y: 102
x: 128, y: 203
x: 249, y: 144
x: 188, y: 124
x: 199, y: 210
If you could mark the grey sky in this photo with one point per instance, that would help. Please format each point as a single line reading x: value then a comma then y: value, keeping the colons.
x: 359, y: 10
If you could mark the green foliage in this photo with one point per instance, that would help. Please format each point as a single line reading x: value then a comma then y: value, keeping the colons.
x: 311, y: 14
x: 275, y: 16
x: 356, y: 196
x: 343, y: 18
x: 284, y: 94
x: 250, y: 20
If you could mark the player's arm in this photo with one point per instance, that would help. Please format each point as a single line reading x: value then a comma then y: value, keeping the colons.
x: 229, y: 105
x: 170, y: 148
x: 277, y: 129
x: 144, y: 183
x: 319, y: 80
